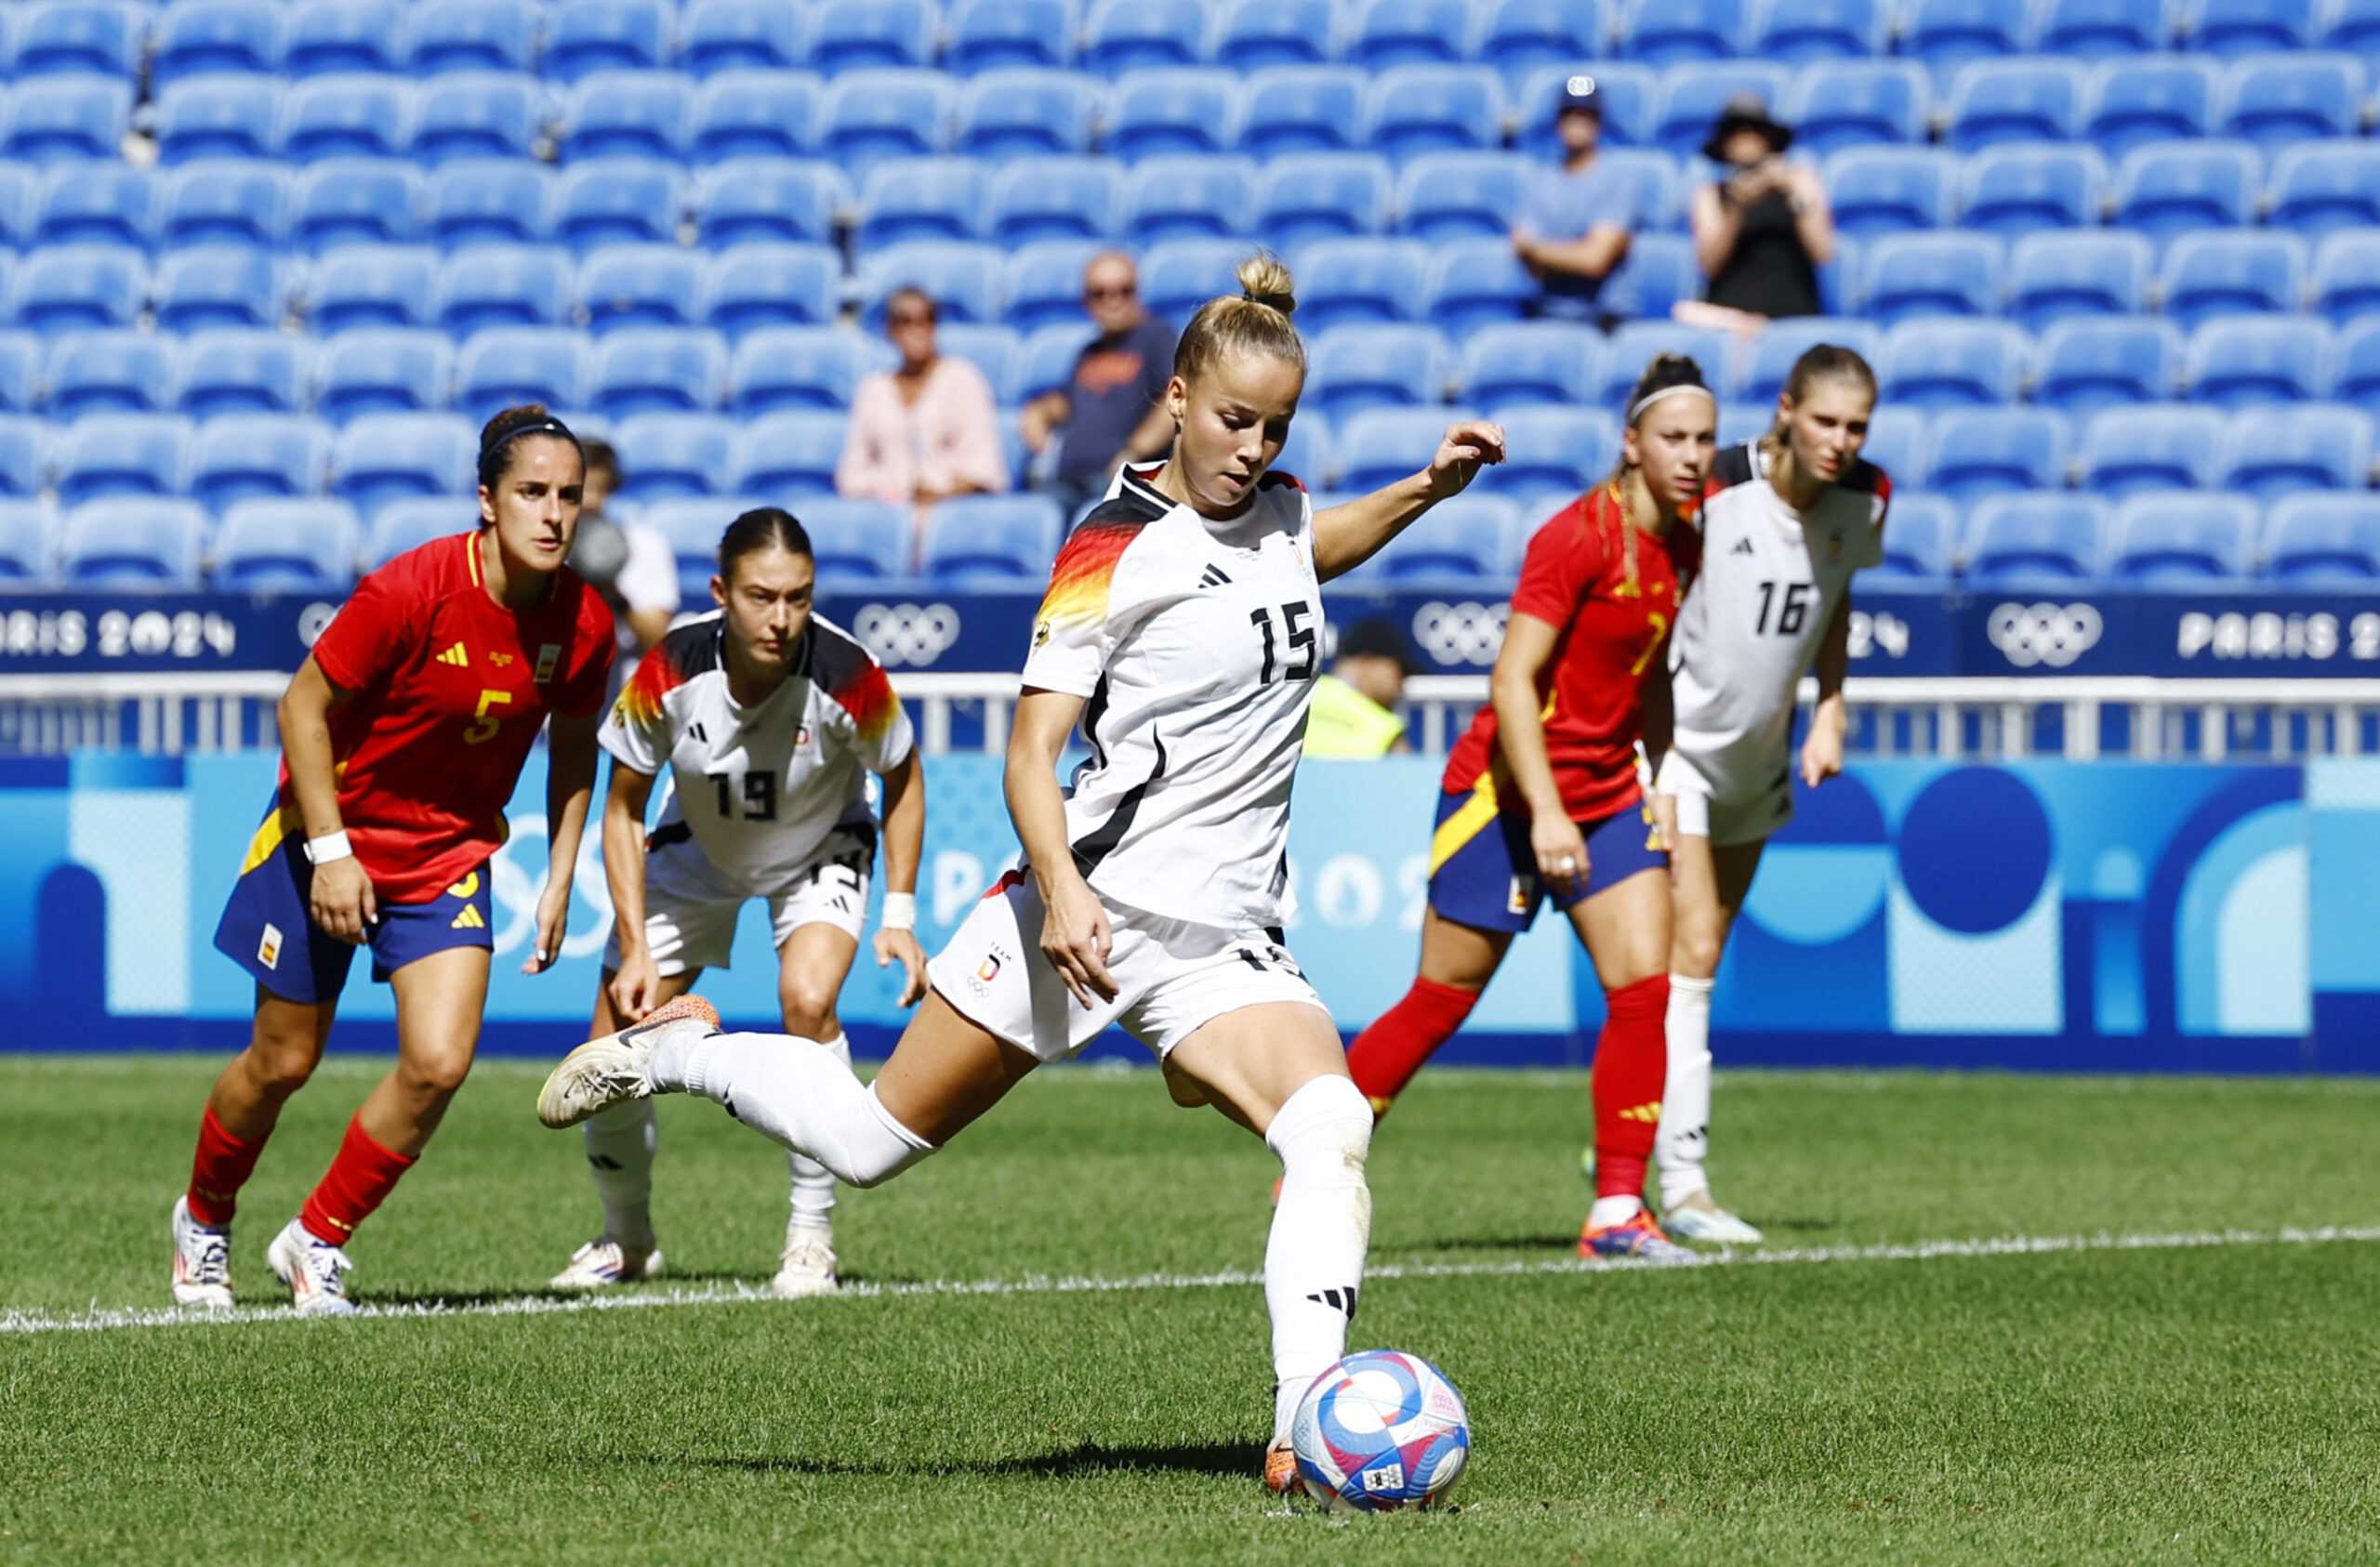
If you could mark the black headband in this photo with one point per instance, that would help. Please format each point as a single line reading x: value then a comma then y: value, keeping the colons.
x: 491, y: 453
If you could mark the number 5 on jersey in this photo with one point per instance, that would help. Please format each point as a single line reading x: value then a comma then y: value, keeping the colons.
x: 1300, y: 638
x: 485, y: 727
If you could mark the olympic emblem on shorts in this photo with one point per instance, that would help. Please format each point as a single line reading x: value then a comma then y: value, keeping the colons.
x: 910, y: 634
x: 2052, y: 635
x: 1460, y: 633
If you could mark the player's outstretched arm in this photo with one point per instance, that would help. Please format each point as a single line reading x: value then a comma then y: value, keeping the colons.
x: 1346, y: 536
x: 1560, y: 848
x: 570, y: 790
x: 637, y: 986
x: 1074, y: 936
x: 341, y: 898
x: 1822, y: 748
x: 905, y: 836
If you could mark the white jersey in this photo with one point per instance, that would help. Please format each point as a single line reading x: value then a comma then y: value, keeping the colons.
x: 1196, y: 644
x: 1749, y: 626
x: 759, y: 788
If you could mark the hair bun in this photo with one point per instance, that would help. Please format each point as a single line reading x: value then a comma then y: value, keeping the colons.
x: 1264, y: 280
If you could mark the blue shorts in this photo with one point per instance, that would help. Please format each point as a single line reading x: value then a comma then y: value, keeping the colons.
x: 268, y: 929
x: 1482, y: 873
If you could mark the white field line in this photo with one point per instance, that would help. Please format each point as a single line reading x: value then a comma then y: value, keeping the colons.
x: 105, y: 1320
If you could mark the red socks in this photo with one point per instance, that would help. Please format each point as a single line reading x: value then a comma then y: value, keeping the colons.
x: 1631, y: 1060
x: 359, y: 1180
x: 1386, y: 1055
x: 218, y: 1171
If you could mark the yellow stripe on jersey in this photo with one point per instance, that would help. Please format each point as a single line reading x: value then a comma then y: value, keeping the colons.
x: 268, y: 839
x: 1476, y: 815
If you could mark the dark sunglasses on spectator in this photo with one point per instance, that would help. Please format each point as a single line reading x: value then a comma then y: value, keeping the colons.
x: 908, y: 317
x: 1096, y: 295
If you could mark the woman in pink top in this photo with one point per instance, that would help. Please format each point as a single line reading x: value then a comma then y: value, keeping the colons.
x: 924, y: 430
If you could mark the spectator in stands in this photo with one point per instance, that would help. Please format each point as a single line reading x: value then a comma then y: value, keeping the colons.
x: 924, y: 430
x: 1114, y: 409
x: 1576, y: 222
x: 1763, y: 228
x: 631, y: 565
x: 1355, y: 705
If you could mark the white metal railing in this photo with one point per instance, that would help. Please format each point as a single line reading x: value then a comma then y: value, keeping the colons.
x: 1995, y: 716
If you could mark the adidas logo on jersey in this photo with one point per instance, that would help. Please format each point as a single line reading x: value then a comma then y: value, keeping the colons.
x: 1212, y: 577
x: 457, y: 655
x: 1743, y: 546
x: 469, y: 920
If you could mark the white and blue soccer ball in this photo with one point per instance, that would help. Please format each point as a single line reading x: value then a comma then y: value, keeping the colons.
x: 1381, y: 1430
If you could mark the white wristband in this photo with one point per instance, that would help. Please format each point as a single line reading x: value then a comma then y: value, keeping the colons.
x: 329, y: 847
x: 900, y: 912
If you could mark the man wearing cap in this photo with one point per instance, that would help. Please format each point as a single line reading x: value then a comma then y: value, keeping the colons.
x: 1763, y: 227
x: 1355, y: 705
x: 1576, y: 220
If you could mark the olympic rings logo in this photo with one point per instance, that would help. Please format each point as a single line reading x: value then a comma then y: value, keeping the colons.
x: 2054, y: 635
x: 907, y: 634
x: 1460, y: 633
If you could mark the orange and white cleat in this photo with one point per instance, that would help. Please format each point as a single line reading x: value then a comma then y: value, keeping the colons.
x: 201, y: 1261
x: 609, y: 1070
x: 1281, y: 1470
x: 1637, y: 1239
x: 314, y: 1270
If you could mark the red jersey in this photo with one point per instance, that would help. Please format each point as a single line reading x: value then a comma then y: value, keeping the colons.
x: 448, y: 690
x: 1612, y: 623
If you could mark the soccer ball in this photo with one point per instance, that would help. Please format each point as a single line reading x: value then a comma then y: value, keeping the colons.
x: 1379, y: 1430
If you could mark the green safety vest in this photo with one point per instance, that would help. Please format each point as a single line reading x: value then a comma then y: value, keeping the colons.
x: 1344, y: 722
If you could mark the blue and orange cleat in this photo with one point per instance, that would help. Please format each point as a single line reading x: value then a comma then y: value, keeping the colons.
x: 1638, y: 1240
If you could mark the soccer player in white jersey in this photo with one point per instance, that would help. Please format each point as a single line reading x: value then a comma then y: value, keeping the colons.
x: 1789, y: 517
x: 769, y: 718
x: 1182, y: 628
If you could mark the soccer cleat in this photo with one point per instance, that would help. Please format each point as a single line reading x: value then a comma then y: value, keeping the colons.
x: 808, y: 1267
x: 1699, y: 1218
x: 201, y: 1261
x: 606, y: 1072
x: 603, y: 1262
x: 1281, y: 1469
x: 315, y: 1270
x: 1639, y: 1240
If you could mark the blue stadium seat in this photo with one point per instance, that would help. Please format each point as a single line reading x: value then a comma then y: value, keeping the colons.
x: 224, y: 201
x: 22, y: 359
x: 491, y: 200
x: 2016, y: 191
x: 352, y: 116
x: 855, y: 539
x: 1476, y: 281
x: 1180, y: 275
x: 1467, y: 538
x: 1385, y: 445
x: 798, y: 367
x: 222, y: 117
x: 987, y: 35
x: 443, y: 35
x: 1444, y: 196
x: 656, y: 369
x: 871, y: 35
x: 1351, y: 369
x: 373, y: 285
x: 1890, y: 189
x: 992, y: 537
x: 476, y: 114
x: 1419, y: 109
x: 96, y: 37
x: 102, y: 204
x: 772, y: 284
x: 640, y: 285
x: 1796, y: 31
x: 693, y: 526
x: 1945, y: 34
x: 756, y: 115
x: 2000, y: 100
x: 406, y: 523
x: 1121, y: 36
x: 69, y: 288
x: 1921, y: 544
x: 789, y: 456
x: 2346, y: 276
x: 503, y: 286
x: 386, y: 458
x: 872, y: 114
x: 2242, y: 27
x: 1897, y: 442
x: 1656, y: 189
x: 905, y: 199
x: 1949, y: 272
x: 1630, y: 95
x: 2322, y: 187
x: 1660, y: 270
x: 133, y: 545
x: 2219, y: 273
x: 57, y: 119
x: 121, y: 455
x: 1978, y: 452
x: 628, y: 114
x: 2095, y: 362
x: 1547, y: 447
x: 674, y: 455
x: 1254, y: 34
x: 1932, y: 364
x: 248, y: 456
x: 2238, y: 361
x: 1303, y: 109
x: 1323, y: 195
x: 716, y: 36
x: 585, y: 36
x: 2171, y: 187
x: 1044, y: 285
x: 2131, y: 103
x: 243, y: 370
x: 287, y: 546
x: 24, y: 455
x: 20, y: 190
x: 1767, y: 358
x: 2350, y: 26
x: 2181, y: 540
x: 1358, y: 280
x: 2274, y: 452
x: 357, y: 201
x: 25, y: 548
x: 617, y: 201
x: 382, y: 370
x: 1152, y: 113
x: 220, y: 285
x: 1522, y: 36
x: 502, y: 367
x: 768, y: 199
x: 962, y: 280
x: 2055, y: 277
x: 1307, y: 455
x: 2274, y: 100
x: 115, y: 372
x: 992, y: 349
x: 1046, y: 362
x: 2033, y: 538
x: 1631, y: 349
x: 1384, y: 35
x: 327, y: 38
x: 1026, y: 113
x: 1857, y: 102
x: 2324, y: 541
x: 1674, y: 32
x: 2152, y: 446
x: 1691, y: 99
x: 197, y: 37
x: 1185, y: 197
x: 2102, y: 29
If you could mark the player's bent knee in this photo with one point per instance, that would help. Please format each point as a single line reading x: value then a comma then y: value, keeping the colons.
x: 1324, y: 1132
x: 809, y: 1011
x: 1694, y: 949
x: 280, y: 1067
x: 436, y: 1074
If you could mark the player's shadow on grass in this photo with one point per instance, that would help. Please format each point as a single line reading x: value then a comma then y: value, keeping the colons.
x: 1238, y: 1459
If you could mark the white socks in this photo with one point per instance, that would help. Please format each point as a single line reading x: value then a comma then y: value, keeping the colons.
x: 795, y: 1092
x: 813, y: 1183
x: 620, y: 1143
x: 1313, y: 1261
x: 1684, y: 1138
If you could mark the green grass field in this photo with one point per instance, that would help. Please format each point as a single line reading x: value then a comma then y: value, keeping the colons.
x: 2204, y: 1394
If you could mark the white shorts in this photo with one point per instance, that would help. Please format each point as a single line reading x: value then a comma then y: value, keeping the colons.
x: 1170, y: 976
x: 1728, y: 799
x: 690, y: 909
